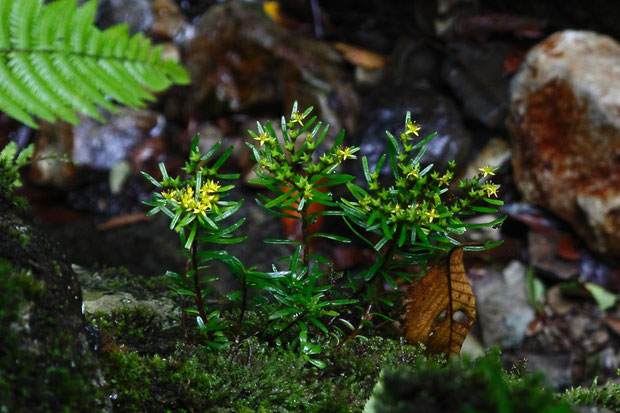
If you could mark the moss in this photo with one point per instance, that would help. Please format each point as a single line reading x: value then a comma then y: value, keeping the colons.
x: 462, y: 386
x: 253, y: 377
x: 136, y: 328
x: 38, y: 375
x: 607, y: 396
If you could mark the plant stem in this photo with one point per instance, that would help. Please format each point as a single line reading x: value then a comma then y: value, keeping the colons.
x: 197, y: 291
x: 244, y: 299
x: 388, y: 254
x: 305, y: 234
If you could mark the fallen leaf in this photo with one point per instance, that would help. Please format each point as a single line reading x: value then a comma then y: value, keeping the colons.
x: 441, y: 307
x: 568, y: 249
x: 604, y: 299
x: 273, y: 9
x: 360, y: 57
x: 613, y: 324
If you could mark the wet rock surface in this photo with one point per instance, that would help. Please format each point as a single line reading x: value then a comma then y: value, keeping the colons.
x: 565, y: 128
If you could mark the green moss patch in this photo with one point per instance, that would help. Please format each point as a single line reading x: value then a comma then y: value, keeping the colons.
x: 462, y: 386
x: 252, y: 377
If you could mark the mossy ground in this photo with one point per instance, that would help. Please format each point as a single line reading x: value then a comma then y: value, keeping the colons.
x: 143, y: 373
x: 252, y: 377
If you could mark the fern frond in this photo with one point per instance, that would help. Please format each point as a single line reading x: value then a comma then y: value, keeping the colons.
x: 54, y: 62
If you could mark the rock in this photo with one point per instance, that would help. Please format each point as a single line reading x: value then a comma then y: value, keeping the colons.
x: 385, y: 110
x: 578, y: 326
x: 503, y: 310
x: 557, y: 368
x: 475, y: 73
x: 609, y: 359
x: 101, y: 146
x: 241, y: 59
x: 558, y: 304
x: 565, y: 129
x: 138, y: 14
x: 542, y: 250
x: 472, y: 347
x: 107, y: 301
x: 46, y: 362
x: 169, y: 21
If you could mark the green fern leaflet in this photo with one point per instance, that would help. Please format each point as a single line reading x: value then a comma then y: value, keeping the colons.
x: 54, y: 62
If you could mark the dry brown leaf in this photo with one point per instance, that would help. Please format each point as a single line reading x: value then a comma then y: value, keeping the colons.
x: 441, y: 307
x: 360, y: 57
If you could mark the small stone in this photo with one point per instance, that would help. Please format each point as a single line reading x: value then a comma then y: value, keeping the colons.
x: 609, y: 360
x: 578, y: 326
x: 557, y: 368
x: 503, y: 309
x: 138, y: 14
x: 542, y: 250
x: 514, y: 274
x: 472, y: 347
x: 101, y: 146
x: 119, y: 173
x: 556, y: 301
x: 169, y: 20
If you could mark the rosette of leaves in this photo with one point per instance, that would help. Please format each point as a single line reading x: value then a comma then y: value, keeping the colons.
x: 55, y: 62
x: 197, y: 208
x: 299, y: 179
x: 413, y: 216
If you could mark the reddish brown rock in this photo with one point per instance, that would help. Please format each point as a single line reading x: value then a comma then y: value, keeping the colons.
x: 565, y: 129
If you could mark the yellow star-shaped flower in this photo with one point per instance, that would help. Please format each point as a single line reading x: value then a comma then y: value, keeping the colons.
x: 210, y: 186
x: 413, y: 128
x: 490, y: 188
x: 431, y: 215
x: 264, y: 138
x: 487, y: 170
x: 414, y: 173
x: 298, y: 118
x: 344, y: 154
